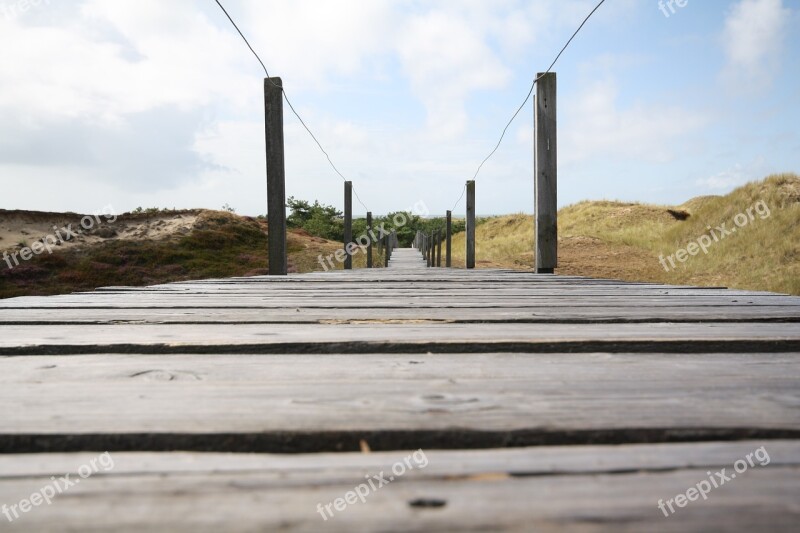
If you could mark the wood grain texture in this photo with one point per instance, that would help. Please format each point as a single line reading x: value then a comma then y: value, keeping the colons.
x: 546, y: 178
x: 276, y: 177
x: 536, y: 489
x: 509, y: 381
x: 327, y: 403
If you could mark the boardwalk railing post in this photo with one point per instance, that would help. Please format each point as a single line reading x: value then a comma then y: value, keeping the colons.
x: 470, y: 263
x: 449, y: 241
x: 427, y: 250
x: 369, y: 235
x: 348, y: 225
x: 435, y: 244
x: 439, y: 248
x: 546, y: 179
x: 433, y: 248
x: 276, y: 177
x: 434, y: 238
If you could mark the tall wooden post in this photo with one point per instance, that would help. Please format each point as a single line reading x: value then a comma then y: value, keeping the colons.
x: 439, y: 248
x: 348, y: 225
x: 470, y: 224
x: 276, y: 177
x: 427, y: 250
x: 449, y: 241
x: 369, y: 235
x: 435, y: 245
x: 546, y: 180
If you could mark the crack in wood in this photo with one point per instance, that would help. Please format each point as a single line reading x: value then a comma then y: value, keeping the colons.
x: 389, y: 440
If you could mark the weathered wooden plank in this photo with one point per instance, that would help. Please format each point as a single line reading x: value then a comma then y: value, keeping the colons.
x: 572, y: 488
x: 533, y: 314
x: 296, y: 403
x: 368, y: 298
x: 539, y: 460
x: 399, y: 338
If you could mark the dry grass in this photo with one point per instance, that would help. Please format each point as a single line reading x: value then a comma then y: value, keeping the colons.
x: 626, y: 240
x: 219, y: 245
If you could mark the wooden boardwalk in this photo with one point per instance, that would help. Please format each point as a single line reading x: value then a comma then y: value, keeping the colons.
x: 539, y: 403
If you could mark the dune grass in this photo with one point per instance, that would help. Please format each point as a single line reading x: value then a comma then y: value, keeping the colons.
x: 220, y: 245
x: 599, y: 239
x: 764, y: 254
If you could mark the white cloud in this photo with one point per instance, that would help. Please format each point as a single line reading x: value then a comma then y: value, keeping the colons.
x: 311, y: 41
x: 597, y: 126
x: 753, y: 37
x: 138, y: 99
x: 735, y: 176
x: 447, y: 59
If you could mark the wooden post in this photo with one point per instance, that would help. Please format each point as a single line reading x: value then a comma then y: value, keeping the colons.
x: 470, y: 263
x: 276, y: 177
x: 448, y: 260
x: 427, y: 250
x: 433, y: 249
x: 434, y: 238
x: 439, y: 248
x: 369, y: 236
x: 546, y: 179
x: 386, y: 251
x: 348, y: 224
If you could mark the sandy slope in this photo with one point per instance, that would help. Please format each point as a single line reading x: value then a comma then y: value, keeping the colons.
x: 22, y: 228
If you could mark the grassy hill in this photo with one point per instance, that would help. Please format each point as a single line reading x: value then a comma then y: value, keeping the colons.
x: 629, y: 240
x: 145, y: 249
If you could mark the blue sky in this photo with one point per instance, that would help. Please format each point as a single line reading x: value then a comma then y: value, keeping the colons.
x: 151, y: 103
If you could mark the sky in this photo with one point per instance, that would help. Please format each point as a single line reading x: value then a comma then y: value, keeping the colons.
x: 155, y: 103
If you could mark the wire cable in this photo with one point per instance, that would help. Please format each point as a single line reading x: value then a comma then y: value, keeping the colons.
x: 463, y: 192
x: 286, y: 97
x: 533, y: 85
